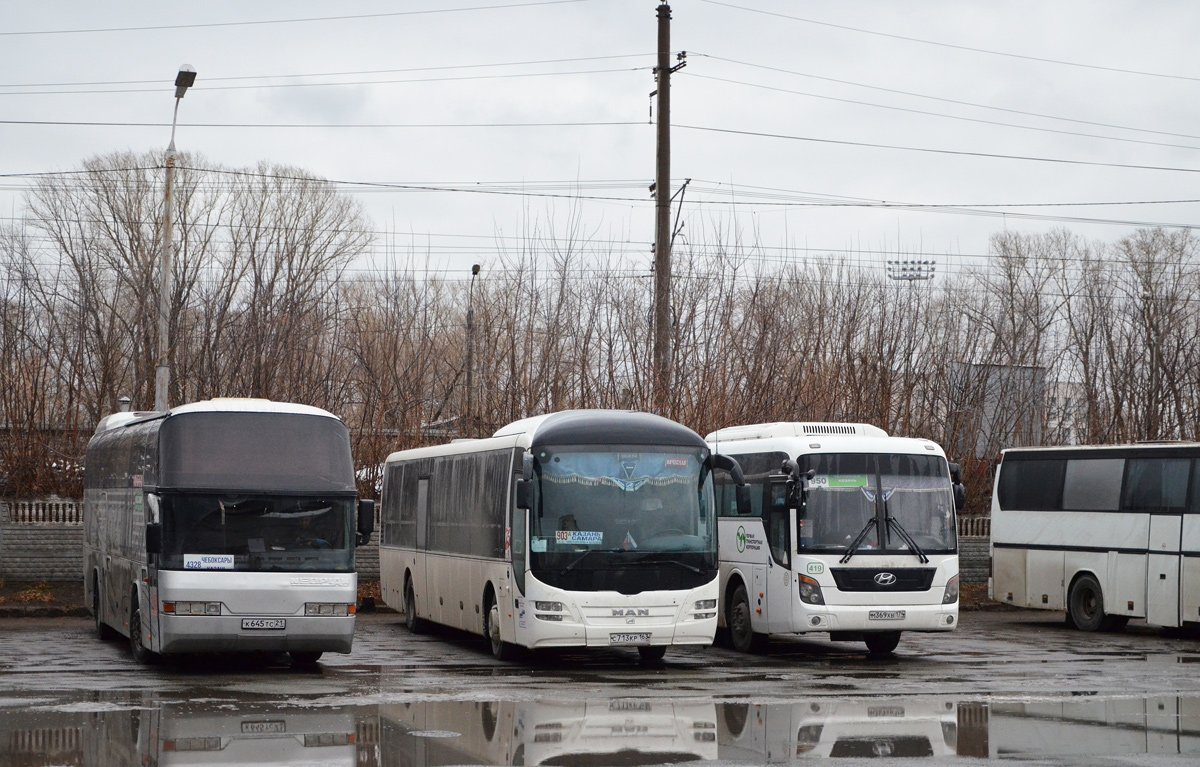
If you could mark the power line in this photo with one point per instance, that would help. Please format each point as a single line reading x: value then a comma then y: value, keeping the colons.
x: 165, y: 82
x: 937, y: 114
x: 1006, y: 54
x: 943, y: 99
x: 116, y: 124
x: 289, y: 21
x: 458, y: 78
x: 931, y: 150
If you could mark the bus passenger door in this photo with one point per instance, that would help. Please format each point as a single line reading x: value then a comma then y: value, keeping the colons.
x: 1162, y: 576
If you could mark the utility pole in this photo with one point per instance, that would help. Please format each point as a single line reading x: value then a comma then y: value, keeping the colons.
x: 662, y: 218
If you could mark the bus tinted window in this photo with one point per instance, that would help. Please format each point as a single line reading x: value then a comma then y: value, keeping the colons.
x: 1093, y: 484
x: 1031, y: 485
x: 757, y: 468
x: 469, y: 515
x: 260, y: 451
x: 1157, y: 484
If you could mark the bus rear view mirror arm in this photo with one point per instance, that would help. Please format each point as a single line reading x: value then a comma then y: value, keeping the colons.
x: 366, y: 521
x: 154, y: 538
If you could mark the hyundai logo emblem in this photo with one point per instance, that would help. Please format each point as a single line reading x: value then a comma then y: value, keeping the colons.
x: 885, y: 579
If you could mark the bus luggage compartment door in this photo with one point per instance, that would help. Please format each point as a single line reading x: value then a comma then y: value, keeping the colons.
x: 1162, y: 575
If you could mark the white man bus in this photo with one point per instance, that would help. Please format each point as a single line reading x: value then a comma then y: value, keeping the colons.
x: 575, y: 529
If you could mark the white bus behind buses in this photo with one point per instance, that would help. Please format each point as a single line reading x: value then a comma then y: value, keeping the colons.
x: 223, y: 526
x: 856, y: 539
x: 581, y: 528
x: 1104, y: 533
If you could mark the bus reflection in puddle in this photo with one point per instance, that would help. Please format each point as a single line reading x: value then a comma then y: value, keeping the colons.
x: 621, y: 731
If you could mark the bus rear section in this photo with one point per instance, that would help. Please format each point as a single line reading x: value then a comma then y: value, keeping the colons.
x: 594, y: 529
x: 224, y: 526
x: 851, y: 533
x: 1106, y: 533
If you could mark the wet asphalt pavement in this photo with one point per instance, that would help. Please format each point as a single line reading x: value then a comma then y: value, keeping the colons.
x: 1005, y: 685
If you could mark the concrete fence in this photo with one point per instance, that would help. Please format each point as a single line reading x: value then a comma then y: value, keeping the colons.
x: 42, y: 540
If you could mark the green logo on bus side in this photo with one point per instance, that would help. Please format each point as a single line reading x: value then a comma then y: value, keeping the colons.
x: 741, y: 539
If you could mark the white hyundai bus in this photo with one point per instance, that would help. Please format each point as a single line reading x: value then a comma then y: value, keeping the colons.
x: 223, y: 526
x: 850, y: 532
x: 1105, y: 533
x: 580, y: 528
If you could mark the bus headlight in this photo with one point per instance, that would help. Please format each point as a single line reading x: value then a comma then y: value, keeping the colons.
x: 192, y: 608
x: 951, y: 595
x: 328, y: 609
x: 548, y: 607
x: 810, y: 591
x: 706, y: 604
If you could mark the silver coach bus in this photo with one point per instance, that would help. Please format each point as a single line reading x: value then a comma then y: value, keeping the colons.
x: 223, y: 526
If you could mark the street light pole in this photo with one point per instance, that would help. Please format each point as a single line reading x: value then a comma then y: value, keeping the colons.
x: 471, y: 351
x: 162, y: 376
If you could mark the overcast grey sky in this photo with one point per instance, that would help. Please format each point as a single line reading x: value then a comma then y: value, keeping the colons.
x: 888, y: 78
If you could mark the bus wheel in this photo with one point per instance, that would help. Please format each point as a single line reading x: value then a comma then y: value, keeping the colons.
x: 652, y: 654
x: 305, y: 658
x: 140, y: 653
x: 103, y: 630
x: 741, y: 630
x: 1086, y: 604
x: 501, y: 650
x: 882, y: 643
x: 411, y: 621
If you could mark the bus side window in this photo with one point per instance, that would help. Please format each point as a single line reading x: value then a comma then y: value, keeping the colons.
x: 725, y: 493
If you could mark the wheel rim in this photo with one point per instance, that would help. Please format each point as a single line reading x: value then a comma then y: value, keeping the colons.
x: 494, y: 627
x: 740, y: 625
x: 1088, y: 604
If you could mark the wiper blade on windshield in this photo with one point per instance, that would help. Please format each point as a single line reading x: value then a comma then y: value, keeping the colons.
x: 576, y: 561
x: 862, y: 535
x: 904, y: 536
x: 684, y: 565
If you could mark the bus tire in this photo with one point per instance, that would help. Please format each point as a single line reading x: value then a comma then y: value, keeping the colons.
x: 305, y: 658
x: 104, y: 632
x: 411, y: 621
x: 501, y: 650
x: 652, y: 654
x: 1085, y: 604
x: 881, y: 643
x: 741, y: 629
x: 140, y: 653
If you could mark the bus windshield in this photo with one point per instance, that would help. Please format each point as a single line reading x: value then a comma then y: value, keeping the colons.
x: 853, y: 492
x: 257, y: 532
x: 627, y: 499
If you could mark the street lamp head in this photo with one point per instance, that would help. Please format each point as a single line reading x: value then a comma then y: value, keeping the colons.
x: 474, y: 269
x: 184, y: 80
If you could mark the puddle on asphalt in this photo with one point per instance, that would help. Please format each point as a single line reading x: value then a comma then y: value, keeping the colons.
x: 140, y: 729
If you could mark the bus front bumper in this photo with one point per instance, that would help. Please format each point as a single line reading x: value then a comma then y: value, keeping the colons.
x: 238, y: 633
x: 877, y: 618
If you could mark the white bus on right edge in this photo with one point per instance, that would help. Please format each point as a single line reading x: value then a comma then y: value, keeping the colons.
x: 1105, y: 533
x: 852, y: 532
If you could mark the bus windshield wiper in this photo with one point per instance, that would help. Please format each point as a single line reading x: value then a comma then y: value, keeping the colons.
x: 684, y: 565
x: 862, y: 535
x: 576, y: 561
x: 904, y: 536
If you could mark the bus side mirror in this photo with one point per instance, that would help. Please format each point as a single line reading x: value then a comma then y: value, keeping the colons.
x: 960, y: 492
x: 154, y: 543
x: 745, y: 506
x: 366, y: 521
x: 523, y: 492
